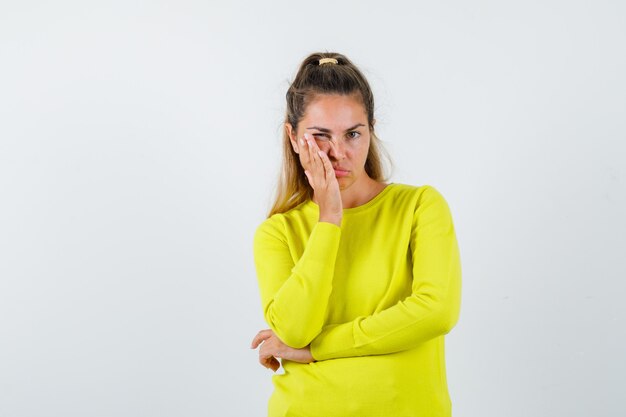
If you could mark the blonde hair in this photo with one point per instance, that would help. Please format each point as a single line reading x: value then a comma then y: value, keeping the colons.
x: 312, y: 79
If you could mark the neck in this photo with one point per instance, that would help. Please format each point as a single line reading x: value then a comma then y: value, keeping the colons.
x: 360, y: 192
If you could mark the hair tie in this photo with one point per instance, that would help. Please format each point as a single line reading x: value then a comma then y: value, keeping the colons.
x: 328, y: 61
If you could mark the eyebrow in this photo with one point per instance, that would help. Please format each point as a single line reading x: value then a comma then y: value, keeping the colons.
x: 323, y: 129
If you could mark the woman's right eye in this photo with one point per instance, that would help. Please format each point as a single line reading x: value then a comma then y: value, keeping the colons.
x: 320, y: 136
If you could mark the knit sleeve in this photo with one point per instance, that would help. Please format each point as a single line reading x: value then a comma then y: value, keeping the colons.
x: 294, y: 295
x: 432, y: 309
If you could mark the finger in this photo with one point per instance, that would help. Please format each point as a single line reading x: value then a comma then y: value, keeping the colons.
x: 304, y: 151
x: 260, y: 336
x: 274, y: 364
x: 270, y: 362
x: 264, y: 362
x: 313, y: 144
x: 328, y: 166
x: 313, y: 156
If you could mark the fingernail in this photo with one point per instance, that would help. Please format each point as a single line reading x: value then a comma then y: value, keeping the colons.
x: 306, y: 136
x: 301, y: 142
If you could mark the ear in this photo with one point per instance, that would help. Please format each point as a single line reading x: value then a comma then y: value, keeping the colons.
x: 292, y: 137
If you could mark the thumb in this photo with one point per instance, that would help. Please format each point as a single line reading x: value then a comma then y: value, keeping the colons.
x: 260, y: 337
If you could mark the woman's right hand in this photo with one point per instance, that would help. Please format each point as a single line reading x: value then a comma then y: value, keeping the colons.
x: 321, y: 175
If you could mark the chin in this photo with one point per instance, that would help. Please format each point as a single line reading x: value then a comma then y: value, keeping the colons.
x: 344, y: 183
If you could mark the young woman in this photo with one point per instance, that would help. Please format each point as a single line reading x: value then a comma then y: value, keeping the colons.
x: 360, y: 279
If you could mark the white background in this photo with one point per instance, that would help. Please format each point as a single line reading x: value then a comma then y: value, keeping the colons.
x: 139, y: 148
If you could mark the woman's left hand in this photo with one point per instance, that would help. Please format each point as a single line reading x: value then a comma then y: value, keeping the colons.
x: 273, y: 348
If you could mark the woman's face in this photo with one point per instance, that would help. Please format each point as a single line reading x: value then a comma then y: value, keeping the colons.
x: 339, y: 125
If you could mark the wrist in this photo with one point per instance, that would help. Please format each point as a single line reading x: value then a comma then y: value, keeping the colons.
x: 331, y: 219
x: 310, y: 357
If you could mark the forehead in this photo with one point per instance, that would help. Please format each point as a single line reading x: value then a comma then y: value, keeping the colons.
x: 334, y: 110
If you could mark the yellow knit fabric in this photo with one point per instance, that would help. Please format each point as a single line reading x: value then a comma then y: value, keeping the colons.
x: 374, y: 299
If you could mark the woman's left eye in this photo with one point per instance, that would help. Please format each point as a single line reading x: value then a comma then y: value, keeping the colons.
x: 353, y: 134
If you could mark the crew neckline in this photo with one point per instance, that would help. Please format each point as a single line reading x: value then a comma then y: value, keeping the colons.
x: 363, y: 206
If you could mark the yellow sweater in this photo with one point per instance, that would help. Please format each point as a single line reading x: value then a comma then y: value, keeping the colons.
x: 374, y: 299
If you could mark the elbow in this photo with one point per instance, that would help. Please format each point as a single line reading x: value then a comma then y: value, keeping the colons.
x: 447, y: 323
x: 294, y: 333
x: 296, y: 341
x: 294, y: 338
x: 447, y: 318
x: 448, y: 308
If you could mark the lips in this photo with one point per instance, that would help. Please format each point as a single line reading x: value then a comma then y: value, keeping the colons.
x: 341, y: 172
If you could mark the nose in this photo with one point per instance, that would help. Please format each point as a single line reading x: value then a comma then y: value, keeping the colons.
x: 337, y: 150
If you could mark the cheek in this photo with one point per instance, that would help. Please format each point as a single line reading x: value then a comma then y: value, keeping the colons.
x: 323, y: 145
x: 363, y: 152
x: 360, y: 149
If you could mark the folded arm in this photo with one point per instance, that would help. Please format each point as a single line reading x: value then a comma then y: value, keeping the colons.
x: 294, y: 296
x: 431, y: 310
